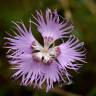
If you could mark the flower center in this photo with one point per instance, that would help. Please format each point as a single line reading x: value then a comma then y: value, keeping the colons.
x: 44, y: 54
x: 45, y: 50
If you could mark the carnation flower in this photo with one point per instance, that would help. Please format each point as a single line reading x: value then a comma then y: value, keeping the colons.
x: 38, y: 64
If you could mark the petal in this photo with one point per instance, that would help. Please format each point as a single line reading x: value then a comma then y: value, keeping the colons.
x: 35, y: 73
x: 71, y: 52
x: 22, y: 41
x: 26, y: 68
x: 51, y: 26
x: 51, y: 74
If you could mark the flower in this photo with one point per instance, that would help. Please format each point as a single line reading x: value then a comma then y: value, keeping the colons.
x: 37, y: 64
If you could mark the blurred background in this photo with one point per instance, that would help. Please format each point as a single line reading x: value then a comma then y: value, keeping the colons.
x: 83, y: 15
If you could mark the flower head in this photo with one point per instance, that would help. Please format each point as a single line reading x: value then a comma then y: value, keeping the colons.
x: 37, y: 64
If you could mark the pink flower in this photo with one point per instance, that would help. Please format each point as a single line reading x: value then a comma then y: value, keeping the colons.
x: 37, y: 64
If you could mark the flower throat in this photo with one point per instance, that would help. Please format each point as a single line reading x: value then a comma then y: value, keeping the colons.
x: 45, y: 54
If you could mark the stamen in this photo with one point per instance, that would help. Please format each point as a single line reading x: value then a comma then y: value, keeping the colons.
x: 45, y: 55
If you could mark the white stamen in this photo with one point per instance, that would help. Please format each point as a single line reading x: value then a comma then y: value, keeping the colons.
x: 45, y: 55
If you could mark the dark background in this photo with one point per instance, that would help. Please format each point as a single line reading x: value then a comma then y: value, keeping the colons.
x: 83, y: 15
